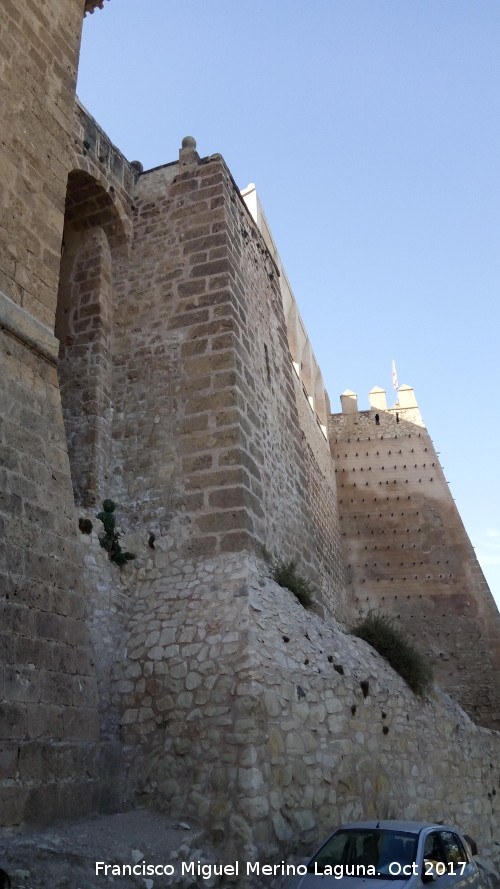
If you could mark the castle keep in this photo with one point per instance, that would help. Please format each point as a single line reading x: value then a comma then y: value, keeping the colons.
x: 153, y: 353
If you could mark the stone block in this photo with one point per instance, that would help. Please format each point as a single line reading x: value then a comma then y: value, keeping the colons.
x: 7, y: 648
x: 226, y: 498
x: 21, y: 684
x: 190, y: 502
x: 227, y: 418
x: 8, y: 760
x: 12, y: 805
x: 34, y: 760
x: 216, y: 479
x: 13, y: 720
x: 22, y: 617
x: 191, y: 288
x: 56, y: 688
x: 189, y: 425
x: 42, y: 805
x: 212, y: 401
x: 63, y: 658
x: 33, y: 651
x: 80, y: 724
x: 225, y: 521
x: 207, y: 269
x: 201, y: 546
x: 194, y: 245
x: 188, y: 318
x: 209, y: 364
x: 197, y: 463
x: 50, y: 626
x: 45, y: 721
x: 195, y: 347
x: 76, y: 632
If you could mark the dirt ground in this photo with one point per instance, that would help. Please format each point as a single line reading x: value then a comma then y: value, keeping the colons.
x: 74, y: 855
x: 65, y: 856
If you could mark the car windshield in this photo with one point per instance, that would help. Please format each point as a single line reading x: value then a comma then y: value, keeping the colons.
x: 366, y: 852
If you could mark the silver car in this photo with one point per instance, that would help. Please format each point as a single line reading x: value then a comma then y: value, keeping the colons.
x: 391, y: 855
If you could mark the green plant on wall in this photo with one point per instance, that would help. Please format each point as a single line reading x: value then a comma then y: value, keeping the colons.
x: 110, y: 539
x: 381, y: 632
x: 285, y: 573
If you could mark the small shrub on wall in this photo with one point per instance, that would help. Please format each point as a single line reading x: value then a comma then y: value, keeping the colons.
x: 285, y: 574
x: 381, y: 632
x: 110, y: 540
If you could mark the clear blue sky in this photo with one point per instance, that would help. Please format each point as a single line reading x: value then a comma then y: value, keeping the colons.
x: 372, y: 131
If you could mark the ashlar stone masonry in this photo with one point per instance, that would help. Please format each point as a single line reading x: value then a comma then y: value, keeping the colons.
x: 152, y: 352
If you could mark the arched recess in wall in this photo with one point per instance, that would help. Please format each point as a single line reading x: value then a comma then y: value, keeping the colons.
x: 93, y: 244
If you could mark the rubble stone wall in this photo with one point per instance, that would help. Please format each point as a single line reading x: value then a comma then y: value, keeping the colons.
x: 274, y: 725
x: 345, y: 738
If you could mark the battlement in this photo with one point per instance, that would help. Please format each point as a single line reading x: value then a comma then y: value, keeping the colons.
x: 405, y: 407
x: 303, y: 359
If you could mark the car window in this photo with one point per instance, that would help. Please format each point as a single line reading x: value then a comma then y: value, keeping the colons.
x: 453, y: 848
x: 433, y: 849
x: 377, y: 849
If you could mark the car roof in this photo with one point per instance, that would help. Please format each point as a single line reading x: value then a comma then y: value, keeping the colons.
x: 407, y: 826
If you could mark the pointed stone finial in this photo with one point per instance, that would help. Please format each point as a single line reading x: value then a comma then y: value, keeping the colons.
x: 188, y: 153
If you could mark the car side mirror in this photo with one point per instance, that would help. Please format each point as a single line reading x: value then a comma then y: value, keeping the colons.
x: 471, y: 844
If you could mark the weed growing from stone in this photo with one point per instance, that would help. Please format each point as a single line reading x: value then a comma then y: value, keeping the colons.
x: 110, y: 539
x: 381, y: 632
x: 285, y: 573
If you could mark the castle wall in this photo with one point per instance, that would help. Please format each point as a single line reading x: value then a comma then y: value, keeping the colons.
x: 208, y: 430
x: 408, y: 554
x: 51, y: 760
x: 181, y: 403
x: 273, y: 725
x: 40, y: 45
x: 49, y: 729
x: 235, y: 704
x: 323, y: 506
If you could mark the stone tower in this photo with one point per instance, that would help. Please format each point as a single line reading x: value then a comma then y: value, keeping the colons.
x: 406, y: 550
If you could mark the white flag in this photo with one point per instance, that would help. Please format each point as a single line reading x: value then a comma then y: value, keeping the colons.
x: 394, y: 375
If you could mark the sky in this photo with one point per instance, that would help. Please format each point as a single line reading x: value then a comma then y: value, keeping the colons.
x: 371, y: 129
